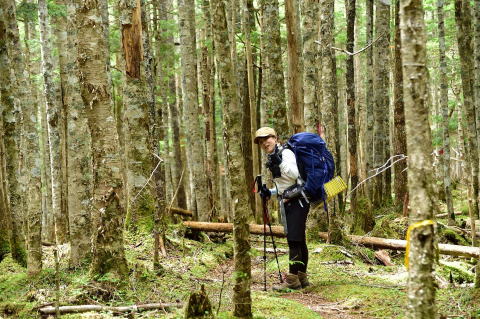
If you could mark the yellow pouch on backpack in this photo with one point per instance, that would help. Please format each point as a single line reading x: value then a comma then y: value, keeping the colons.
x: 334, y: 187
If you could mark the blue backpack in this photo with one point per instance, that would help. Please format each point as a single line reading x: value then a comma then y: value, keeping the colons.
x: 315, y: 163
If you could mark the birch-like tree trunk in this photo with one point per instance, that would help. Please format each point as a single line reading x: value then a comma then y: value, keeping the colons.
x: 273, y: 78
x: 445, y: 112
x: 140, y: 199
x: 351, y: 103
x: 295, y: 65
x: 421, y: 284
x: 329, y: 103
x: 78, y: 140
x: 53, y: 124
x: 310, y: 28
x: 399, y: 138
x: 463, y: 17
x: 233, y: 131
x: 11, y: 127
x: 195, y: 136
x: 381, y: 148
x: 108, y: 212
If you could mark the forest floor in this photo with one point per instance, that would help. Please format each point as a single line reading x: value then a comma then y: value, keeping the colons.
x: 346, y: 282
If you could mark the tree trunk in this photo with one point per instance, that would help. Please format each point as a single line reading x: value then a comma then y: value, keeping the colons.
x: 370, y: 115
x: 5, y: 220
x: 232, y: 119
x: 109, y: 213
x: 445, y: 113
x: 140, y: 199
x: 421, y: 284
x: 351, y: 102
x: 463, y: 19
x: 295, y: 67
x: 53, y: 124
x: 329, y: 103
x: 11, y: 128
x: 381, y: 148
x: 195, y: 136
x: 310, y: 28
x: 274, y: 82
x: 399, y: 138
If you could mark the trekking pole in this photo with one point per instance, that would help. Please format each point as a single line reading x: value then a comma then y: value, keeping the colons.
x: 267, y: 220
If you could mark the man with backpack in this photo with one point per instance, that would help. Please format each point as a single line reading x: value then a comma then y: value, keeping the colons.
x: 293, y: 202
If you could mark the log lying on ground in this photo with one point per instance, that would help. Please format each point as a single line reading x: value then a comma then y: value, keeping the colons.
x: 373, y: 242
x: 180, y: 211
x: 228, y: 228
x: 446, y: 214
x: 86, y: 308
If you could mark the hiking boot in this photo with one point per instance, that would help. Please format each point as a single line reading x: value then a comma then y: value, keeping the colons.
x: 303, y: 279
x: 291, y: 282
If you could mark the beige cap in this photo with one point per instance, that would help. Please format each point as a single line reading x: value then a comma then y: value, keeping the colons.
x: 264, y: 132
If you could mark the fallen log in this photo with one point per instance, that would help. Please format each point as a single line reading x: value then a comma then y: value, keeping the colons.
x: 86, y: 308
x: 255, y: 229
x: 180, y: 211
x: 446, y: 214
x: 373, y: 242
x: 398, y: 244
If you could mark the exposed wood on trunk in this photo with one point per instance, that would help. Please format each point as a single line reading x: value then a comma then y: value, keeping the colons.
x: 132, y: 41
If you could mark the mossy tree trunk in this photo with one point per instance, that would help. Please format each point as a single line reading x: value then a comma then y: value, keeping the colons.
x: 369, y: 116
x: 273, y: 78
x: 78, y: 140
x: 108, y: 212
x: 463, y: 17
x: 11, y: 126
x: 310, y: 28
x: 140, y: 199
x: 381, y: 148
x: 233, y: 130
x: 399, y: 138
x: 421, y: 284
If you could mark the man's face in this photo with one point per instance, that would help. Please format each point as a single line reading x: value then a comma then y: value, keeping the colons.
x: 267, y: 143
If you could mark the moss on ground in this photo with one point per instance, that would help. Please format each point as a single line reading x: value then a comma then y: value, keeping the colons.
x: 366, y: 289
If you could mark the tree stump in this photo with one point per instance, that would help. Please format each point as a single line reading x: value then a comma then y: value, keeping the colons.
x: 199, y: 305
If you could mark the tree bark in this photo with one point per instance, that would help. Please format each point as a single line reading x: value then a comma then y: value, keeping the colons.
x: 232, y: 119
x: 273, y: 82
x: 399, y: 138
x: 370, y: 119
x: 381, y: 148
x: 53, y: 125
x: 351, y: 104
x: 421, y: 287
x: 311, y: 84
x: 195, y: 136
x: 445, y: 113
x: 463, y: 18
x: 11, y: 127
x: 140, y: 200
x: 295, y: 65
x: 109, y: 212
x: 329, y: 103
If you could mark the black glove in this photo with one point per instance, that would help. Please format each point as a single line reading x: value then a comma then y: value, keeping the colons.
x: 265, y: 192
x: 273, y: 163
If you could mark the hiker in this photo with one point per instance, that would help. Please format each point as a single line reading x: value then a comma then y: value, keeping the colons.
x: 294, y: 210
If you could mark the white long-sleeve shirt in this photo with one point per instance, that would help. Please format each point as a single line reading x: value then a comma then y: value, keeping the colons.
x: 289, y: 171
